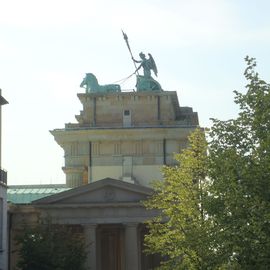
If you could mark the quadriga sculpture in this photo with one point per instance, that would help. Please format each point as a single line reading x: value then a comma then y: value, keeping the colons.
x: 90, y: 83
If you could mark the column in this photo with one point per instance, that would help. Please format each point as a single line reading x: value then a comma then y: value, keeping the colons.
x: 90, y: 243
x: 131, y: 247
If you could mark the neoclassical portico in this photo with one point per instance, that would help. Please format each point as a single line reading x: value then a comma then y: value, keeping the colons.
x: 110, y: 214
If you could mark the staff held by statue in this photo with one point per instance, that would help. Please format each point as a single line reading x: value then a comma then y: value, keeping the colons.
x: 126, y: 39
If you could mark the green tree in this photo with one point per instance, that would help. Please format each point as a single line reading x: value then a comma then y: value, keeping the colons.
x: 50, y: 247
x: 181, y: 233
x: 239, y: 168
x: 215, y: 209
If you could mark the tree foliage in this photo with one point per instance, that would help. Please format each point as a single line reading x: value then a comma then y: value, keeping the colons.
x: 215, y: 208
x: 240, y: 172
x: 182, y: 227
x: 50, y: 247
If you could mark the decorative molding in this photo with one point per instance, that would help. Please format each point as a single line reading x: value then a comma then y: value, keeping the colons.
x: 109, y: 194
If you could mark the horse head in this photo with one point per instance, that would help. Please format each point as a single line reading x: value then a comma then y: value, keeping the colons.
x: 83, y: 83
x: 91, y: 78
x: 90, y: 82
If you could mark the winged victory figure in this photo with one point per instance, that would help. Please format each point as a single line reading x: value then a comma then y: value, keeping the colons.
x: 147, y: 64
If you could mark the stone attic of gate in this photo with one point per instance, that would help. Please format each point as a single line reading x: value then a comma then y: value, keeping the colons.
x: 117, y: 146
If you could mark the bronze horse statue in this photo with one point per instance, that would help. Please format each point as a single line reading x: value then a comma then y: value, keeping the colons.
x: 90, y: 83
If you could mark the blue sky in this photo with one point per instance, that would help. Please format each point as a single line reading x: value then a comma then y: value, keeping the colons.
x: 46, y: 47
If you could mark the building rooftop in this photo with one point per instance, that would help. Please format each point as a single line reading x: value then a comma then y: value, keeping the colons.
x: 2, y: 100
x: 25, y: 194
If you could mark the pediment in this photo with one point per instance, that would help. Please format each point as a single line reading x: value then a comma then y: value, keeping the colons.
x: 100, y: 192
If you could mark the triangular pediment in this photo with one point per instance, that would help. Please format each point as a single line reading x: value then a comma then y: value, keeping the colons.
x: 100, y: 192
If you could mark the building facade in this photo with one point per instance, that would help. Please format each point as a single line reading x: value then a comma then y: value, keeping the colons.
x: 127, y: 136
x: 117, y: 147
x: 3, y: 220
x: 3, y: 201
